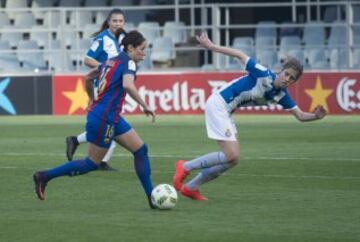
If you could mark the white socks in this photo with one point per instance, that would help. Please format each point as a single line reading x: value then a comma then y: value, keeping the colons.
x: 206, y: 161
x: 81, y: 138
x: 110, y: 152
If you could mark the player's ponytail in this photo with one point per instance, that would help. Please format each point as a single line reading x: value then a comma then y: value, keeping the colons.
x: 134, y: 38
x: 105, y: 24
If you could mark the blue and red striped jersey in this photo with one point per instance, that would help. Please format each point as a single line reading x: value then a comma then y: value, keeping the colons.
x: 111, y: 93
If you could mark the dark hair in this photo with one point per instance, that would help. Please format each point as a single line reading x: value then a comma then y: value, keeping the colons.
x: 293, y: 63
x: 105, y: 24
x: 134, y: 38
x: 119, y: 32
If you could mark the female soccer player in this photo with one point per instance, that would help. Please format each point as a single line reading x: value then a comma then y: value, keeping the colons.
x: 106, y: 45
x: 260, y: 87
x: 104, y: 122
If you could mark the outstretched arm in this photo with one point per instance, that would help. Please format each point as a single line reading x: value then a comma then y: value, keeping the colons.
x: 208, y: 44
x: 318, y: 113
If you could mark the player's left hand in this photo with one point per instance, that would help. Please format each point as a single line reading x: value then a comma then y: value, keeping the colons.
x: 150, y: 112
x: 320, y: 112
x: 204, y: 40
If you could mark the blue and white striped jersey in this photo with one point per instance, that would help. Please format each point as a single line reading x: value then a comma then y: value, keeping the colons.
x: 256, y: 88
x: 104, y: 46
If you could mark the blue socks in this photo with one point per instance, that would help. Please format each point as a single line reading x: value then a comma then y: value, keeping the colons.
x: 72, y: 168
x: 142, y: 168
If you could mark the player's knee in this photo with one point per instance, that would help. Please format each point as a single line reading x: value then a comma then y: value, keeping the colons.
x: 143, y: 150
x: 233, y: 157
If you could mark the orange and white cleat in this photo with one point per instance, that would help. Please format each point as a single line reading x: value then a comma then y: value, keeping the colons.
x: 180, y: 174
x: 193, y: 194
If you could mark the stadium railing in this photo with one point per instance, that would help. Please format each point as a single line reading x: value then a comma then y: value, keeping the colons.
x: 217, y: 19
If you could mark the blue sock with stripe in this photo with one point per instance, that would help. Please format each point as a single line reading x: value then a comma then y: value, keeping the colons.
x: 72, y: 168
x: 142, y: 168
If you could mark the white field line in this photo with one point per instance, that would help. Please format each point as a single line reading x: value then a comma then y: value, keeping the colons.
x: 234, y: 174
x: 127, y: 154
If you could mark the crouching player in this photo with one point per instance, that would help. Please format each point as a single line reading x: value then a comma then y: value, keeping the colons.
x: 259, y: 87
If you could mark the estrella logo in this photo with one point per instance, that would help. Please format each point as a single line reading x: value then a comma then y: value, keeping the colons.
x: 5, y: 102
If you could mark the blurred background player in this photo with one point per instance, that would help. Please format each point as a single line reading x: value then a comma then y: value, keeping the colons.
x: 106, y: 45
x: 104, y: 122
x: 260, y: 87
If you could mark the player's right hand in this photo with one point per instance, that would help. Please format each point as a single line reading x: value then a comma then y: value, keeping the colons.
x: 150, y: 112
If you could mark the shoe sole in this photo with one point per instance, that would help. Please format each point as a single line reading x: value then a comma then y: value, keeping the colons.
x: 38, y: 193
x: 69, y: 153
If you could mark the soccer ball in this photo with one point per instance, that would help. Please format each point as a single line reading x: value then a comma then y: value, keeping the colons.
x: 164, y: 196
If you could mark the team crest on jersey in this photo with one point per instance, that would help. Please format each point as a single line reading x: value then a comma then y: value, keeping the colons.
x: 94, y: 45
x: 228, y: 133
x: 132, y: 65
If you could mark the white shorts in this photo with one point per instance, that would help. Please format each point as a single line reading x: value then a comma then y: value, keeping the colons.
x: 219, y: 124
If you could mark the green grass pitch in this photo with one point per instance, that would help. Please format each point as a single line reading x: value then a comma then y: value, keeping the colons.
x: 295, y: 182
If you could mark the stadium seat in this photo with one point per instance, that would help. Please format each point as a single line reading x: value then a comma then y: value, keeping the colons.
x: 5, y: 46
x: 337, y: 38
x: 60, y: 62
x: 321, y: 65
x: 317, y: 58
x: 40, y: 34
x: 11, y: 4
x: 265, y: 29
x: 163, y: 50
x: 150, y: 30
x: 68, y: 35
x: 314, y: 34
x: 100, y: 17
x: 297, y: 54
x: 356, y: 13
x: 30, y: 55
x: 78, y: 50
x: 12, y: 37
x: 52, y: 19
x: 176, y: 31
x: 9, y: 64
x: 243, y: 41
x: 338, y: 59
x: 356, y: 40
x: 356, y: 58
x: 89, y: 29
x: 332, y: 13
x: 80, y: 18
x: 37, y: 6
x: 51, y: 48
x: 264, y: 43
x: 4, y: 20
x: 24, y: 20
x: 289, y: 31
x: 245, y: 44
x: 268, y: 58
x: 288, y: 43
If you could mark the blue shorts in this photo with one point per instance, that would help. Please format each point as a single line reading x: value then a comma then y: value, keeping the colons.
x: 102, y: 133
